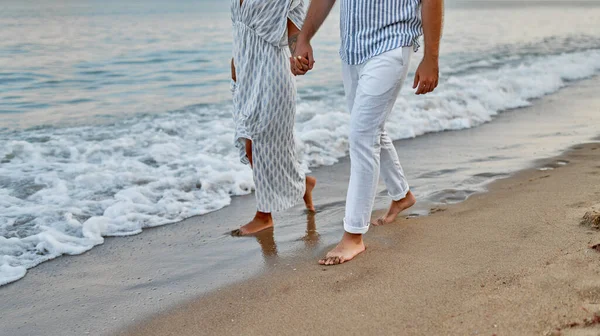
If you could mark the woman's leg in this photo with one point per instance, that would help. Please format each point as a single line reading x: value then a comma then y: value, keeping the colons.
x: 310, y: 185
x: 262, y: 220
x: 311, y: 182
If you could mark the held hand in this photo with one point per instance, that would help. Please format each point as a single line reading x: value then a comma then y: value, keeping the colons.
x: 299, y: 65
x: 426, y: 77
x: 302, y: 65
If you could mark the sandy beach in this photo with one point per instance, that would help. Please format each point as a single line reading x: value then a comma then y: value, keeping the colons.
x: 514, y: 261
x: 120, y: 184
x: 482, y: 262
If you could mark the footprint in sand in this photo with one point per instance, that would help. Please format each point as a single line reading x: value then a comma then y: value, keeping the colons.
x: 591, y: 219
x: 577, y: 205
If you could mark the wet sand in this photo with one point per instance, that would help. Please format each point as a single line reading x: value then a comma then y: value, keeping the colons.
x: 127, y: 279
x: 514, y: 261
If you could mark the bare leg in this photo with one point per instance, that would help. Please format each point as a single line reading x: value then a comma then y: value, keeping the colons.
x: 262, y: 220
x: 310, y: 185
x: 396, y: 208
x: 349, y: 247
x: 311, y: 182
x: 249, y: 150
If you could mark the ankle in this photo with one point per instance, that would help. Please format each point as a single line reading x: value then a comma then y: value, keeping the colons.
x: 352, y: 238
x: 263, y: 216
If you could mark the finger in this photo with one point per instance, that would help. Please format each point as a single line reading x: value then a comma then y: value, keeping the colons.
x: 295, y: 69
x: 303, y: 60
x: 299, y: 64
x: 416, y: 81
x: 293, y: 66
x: 420, y: 88
x: 424, y: 87
x: 311, y: 60
x: 432, y: 85
x: 429, y: 88
x: 300, y: 69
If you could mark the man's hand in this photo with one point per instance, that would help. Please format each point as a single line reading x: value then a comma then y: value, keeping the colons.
x: 426, y: 77
x: 302, y: 61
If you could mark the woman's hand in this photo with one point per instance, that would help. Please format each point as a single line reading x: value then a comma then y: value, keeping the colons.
x: 233, y: 71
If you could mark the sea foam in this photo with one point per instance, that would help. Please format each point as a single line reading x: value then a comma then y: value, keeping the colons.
x: 63, y: 189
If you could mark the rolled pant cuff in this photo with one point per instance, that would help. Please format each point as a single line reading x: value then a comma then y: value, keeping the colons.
x: 355, y: 230
x: 400, y: 195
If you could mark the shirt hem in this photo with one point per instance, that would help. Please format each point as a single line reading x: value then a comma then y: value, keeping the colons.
x: 413, y: 42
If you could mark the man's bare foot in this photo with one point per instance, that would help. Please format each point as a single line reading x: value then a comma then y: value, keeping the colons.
x: 396, y: 208
x: 349, y: 247
x: 311, y: 182
x: 260, y: 222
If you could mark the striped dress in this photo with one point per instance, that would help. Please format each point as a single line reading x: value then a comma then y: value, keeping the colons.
x: 372, y: 27
x: 264, y: 99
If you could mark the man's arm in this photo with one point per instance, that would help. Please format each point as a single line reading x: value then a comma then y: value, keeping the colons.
x: 316, y: 15
x: 426, y: 77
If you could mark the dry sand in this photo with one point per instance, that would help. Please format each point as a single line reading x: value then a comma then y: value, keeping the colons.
x: 514, y: 261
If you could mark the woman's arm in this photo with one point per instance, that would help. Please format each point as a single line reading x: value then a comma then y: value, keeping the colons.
x: 233, y: 71
x: 293, y: 33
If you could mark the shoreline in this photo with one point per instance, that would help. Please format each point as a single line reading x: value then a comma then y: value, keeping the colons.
x: 503, y: 262
x: 127, y: 279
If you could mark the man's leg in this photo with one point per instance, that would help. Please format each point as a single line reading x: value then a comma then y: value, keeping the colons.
x: 391, y: 170
x: 395, y: 182
x: 379, y: 81
x: 351, y: 244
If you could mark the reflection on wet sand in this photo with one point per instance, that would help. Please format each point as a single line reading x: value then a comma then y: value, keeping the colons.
x: 266, y: 238
x: 312, y: 236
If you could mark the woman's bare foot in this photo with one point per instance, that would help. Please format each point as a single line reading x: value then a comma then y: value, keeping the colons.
x: 311, y: 182
x: 261, y: 221
x: 349, y: 247
x: 396, y: 208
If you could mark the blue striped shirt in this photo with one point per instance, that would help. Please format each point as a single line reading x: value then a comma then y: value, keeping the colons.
x: 372, y: 27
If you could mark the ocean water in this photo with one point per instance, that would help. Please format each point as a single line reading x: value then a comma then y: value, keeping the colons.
x: 115, y: 116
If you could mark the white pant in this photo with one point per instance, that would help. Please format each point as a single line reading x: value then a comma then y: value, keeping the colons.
x: 371, y: 91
